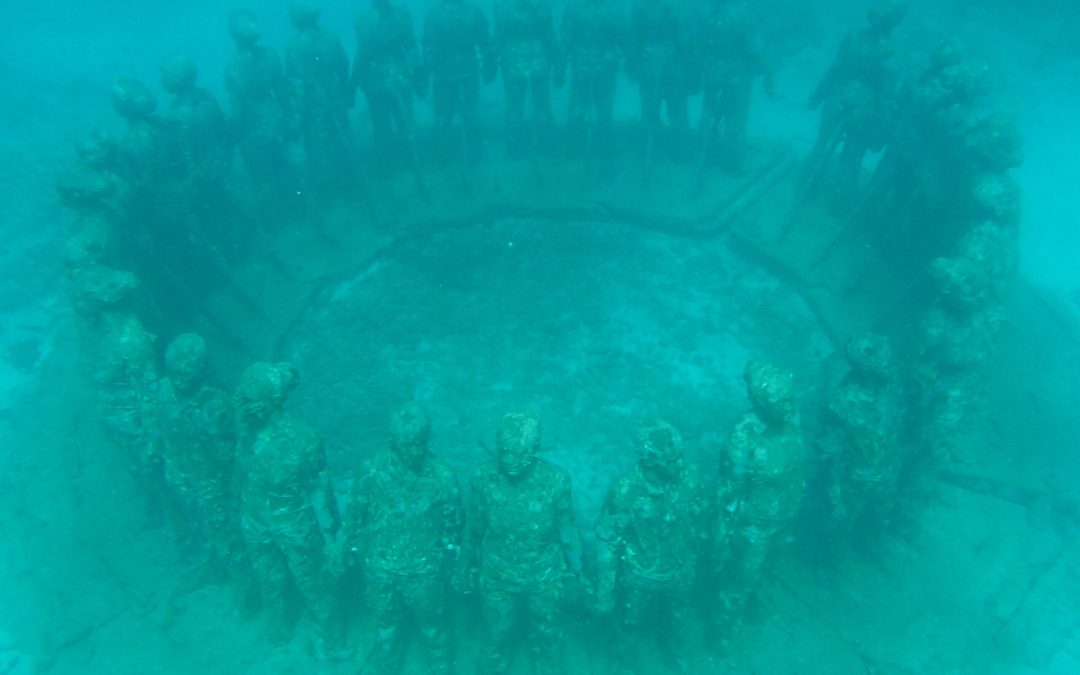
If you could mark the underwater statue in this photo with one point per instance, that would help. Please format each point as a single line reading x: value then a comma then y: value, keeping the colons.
x: 124, y: 368
x: 145, y: 156
x: 198, y: 432
x: 659, y: 57
x: 593, y: 38
x: 287, y: 506
x: 860, y: 444
x: 125, y: 377
x: 955, y: 340
x: 523, y: 38
x: 760, y: 488
x: 93, y: 190
x: 457, y: 55
x: 945, y: 167
x: 732, y: 59
x: 261, y: 117
x: 522, y: 547
x: 857, y: 97
x: 200, y: 139
x: 649, y: 539
x: 162, y: 233
x: 196, y: 123
x: 387, y: 69
x: 317, y: 69
x: 403, y: 527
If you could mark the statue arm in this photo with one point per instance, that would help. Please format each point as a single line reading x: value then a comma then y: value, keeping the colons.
x: 350, y: 541
x: 413, y: 58
x: 620, y: 29
x: 729, y: 495
x: 635, y: 39
x: 832, y: 76
x: 360, y: 61
x: 489, y: 55
x: 427, y: 42
x: 475, y: 528
x: 551, y: 41
x: 498, y: 21
x: 569, y: 535
x: 323, y: 498
x: 453, y: 521
x: 608, y: 551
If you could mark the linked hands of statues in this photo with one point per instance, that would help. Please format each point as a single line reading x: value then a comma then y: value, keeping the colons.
x: 489, y: 70
x: 604, y: 602
x: 579, y: 590
x: 421, y: 83
x: 466, y: 580
x: 340, y: 557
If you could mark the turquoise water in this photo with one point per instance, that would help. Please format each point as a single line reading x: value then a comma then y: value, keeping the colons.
x: 600, y: 293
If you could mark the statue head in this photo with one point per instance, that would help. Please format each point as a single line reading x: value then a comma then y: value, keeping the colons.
x: 517, y: 442
x: 964, y: 284
x: 771, y: 391
x: 178, y: 75
x: 886, y: 15
x: 303, y: 14
x: 659, y: 446
x: 870, y: 354
x: 132, y: 100
x: 98, y: 289
x: 185, y: 361
x: 410, y: 430
x: 243, y: 27
x: 263, y: 389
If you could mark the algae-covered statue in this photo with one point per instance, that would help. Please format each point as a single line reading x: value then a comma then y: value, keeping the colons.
x: 649, y: 539
x: 403, y: 525
x: 144, y: 154
x: 202, y: 147
x: 288, y: 512
x: 387, y: 69
x: 593, y: 39
x: 659, y: 56
x: 760, y: 489
x: 198, y: 433
x: 261, y: 118
x: 196, y: 123
x: 124, y: 368
x: 732, y: 59
x: 857, y: 96
x: 522, y: 546
x: 92, y: 189
x: 956, y: 339
x: 457, y: 53
x: 860, y: 445
x: 524, y: 41
x: 317, y: 69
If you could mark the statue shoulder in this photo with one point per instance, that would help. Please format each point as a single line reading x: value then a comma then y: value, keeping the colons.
x: 552, y: 475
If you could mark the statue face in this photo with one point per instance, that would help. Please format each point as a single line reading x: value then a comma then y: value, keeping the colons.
x: 410, y: 430
x: 770, y: 391
x: 659, y: 448
x: 410, y: 448
x: 185, y: 361
x: 517, y: 441
x: 244, y: 28
x: 263, y: 389
x: 256, y: 410
x: 869, y: 353
x: 516, y: 462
